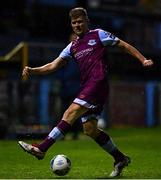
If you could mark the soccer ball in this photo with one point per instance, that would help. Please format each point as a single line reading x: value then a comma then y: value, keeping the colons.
x: 60, y: 164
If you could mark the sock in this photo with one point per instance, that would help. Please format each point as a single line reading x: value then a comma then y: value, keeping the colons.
x: 118, y: 156
x: 107, y: 144
x: 57, y: 133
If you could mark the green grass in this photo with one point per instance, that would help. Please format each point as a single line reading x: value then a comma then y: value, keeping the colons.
x: 88, y: 160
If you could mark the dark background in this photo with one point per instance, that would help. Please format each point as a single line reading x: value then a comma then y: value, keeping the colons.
x: 137, y: 22
x: 45, y: 26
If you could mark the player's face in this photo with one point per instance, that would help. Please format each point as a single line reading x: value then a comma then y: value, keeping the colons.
x: 79, y: 25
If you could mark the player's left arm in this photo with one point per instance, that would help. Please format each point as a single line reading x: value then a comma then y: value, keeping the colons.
x: 134, y: 52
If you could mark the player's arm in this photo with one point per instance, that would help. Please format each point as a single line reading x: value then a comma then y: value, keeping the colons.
x: 57, y: 63
x: 134, y: 52
x: 45, y: 69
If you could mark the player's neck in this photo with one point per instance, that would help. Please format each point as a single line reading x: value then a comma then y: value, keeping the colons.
x: 82, y: 35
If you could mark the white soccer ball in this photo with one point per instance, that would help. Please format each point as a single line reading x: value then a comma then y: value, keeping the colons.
x: 60, y: 164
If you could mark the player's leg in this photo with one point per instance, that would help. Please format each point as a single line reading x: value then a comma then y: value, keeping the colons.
x: 102, y: 139
x: 71, y: 114
x: 105, y: 142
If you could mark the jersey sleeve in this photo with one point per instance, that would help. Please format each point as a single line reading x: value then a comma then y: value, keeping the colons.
x: 107, y: 38
x: 66, y: 53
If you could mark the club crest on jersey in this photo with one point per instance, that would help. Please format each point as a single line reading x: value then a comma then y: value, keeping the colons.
x: 92, y: 42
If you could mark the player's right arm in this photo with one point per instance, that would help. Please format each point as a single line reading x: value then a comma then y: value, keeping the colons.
x: 45, y: 69
x: 56, y: 64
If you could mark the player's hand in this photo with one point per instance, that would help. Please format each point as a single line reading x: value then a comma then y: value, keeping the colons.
x: 148, y: 62
x: 26, y: 72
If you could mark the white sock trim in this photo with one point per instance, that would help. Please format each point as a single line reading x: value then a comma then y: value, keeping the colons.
x: 56, y: 134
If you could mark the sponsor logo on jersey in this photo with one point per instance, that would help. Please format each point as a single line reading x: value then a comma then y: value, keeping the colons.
x: 83, y: 53
x: 92, y: 42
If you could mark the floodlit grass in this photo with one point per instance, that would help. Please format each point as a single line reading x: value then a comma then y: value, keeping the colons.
x: 88, y: 160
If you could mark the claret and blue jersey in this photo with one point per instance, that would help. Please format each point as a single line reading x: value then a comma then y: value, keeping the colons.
x: 89, y: 52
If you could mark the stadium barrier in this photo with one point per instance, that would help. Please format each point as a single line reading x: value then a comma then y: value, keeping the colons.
x: 22, y: 46
x: 133, y: 104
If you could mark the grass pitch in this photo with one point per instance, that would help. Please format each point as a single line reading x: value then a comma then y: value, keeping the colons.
x: 88, y: 160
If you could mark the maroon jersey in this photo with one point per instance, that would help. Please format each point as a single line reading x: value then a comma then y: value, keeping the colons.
x: 89, y: 52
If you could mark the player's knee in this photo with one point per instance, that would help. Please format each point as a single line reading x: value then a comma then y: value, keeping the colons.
x: 87, y: 132
x: 90, y: 132
x: 74, y: 111
x: 70, y: 113
x: 90, y: 128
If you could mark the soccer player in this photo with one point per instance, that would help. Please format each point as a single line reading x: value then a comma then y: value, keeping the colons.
x: 89, y: 52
